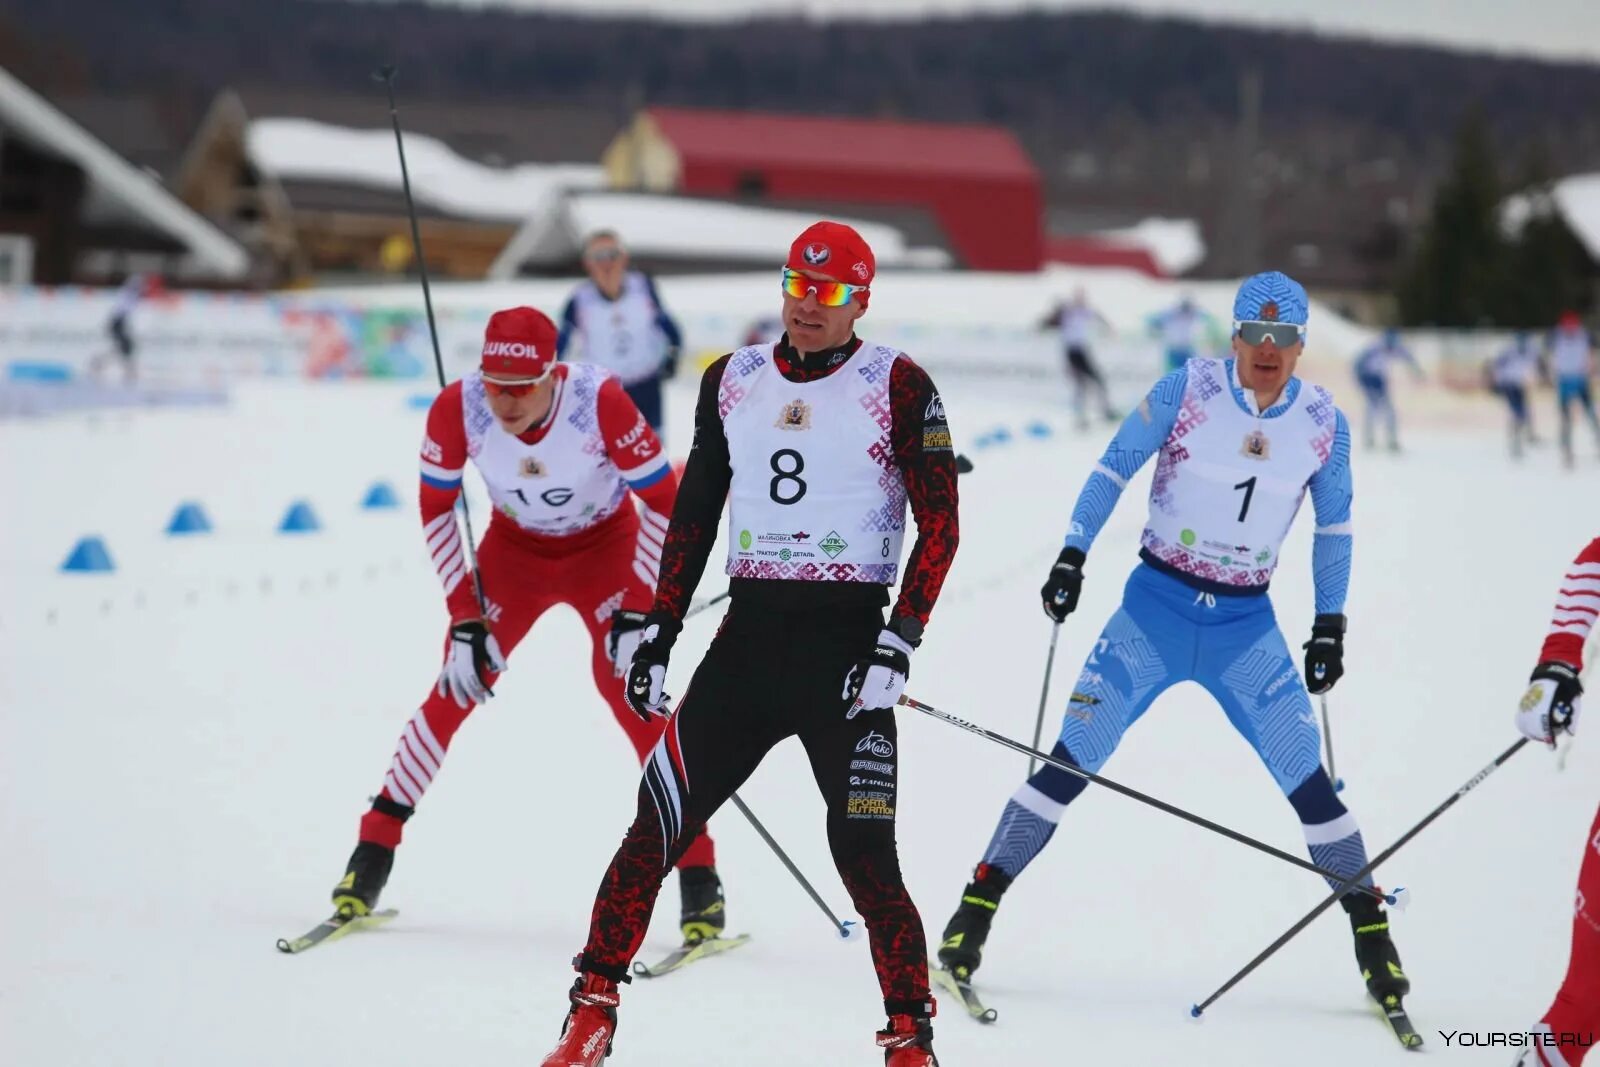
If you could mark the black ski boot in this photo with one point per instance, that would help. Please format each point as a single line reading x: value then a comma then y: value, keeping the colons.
x: 703, y: 916
x: 1375, y: 951
x: 961, y: 945
x: 364, y: 878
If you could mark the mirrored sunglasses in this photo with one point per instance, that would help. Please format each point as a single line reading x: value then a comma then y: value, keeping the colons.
x: 1282, y: 334
x: 830, y: 294
x: 516, y: 389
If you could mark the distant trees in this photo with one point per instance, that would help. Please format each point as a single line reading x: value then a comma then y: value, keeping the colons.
x: 1470, y: 269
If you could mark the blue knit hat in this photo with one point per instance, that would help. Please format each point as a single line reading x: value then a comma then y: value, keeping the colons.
x: 1271, y: 296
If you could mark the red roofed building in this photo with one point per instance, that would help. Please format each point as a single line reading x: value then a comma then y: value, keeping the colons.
x: 976, y: 181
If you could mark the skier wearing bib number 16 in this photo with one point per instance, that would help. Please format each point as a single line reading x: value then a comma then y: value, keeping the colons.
x: 563, y: 453
x: 1238, y: 442
x: 816, y: 444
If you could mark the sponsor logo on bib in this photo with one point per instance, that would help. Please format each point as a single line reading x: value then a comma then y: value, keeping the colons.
x: 833, y: 544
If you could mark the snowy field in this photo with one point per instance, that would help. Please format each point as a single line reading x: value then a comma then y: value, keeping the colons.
x: 190, y: 740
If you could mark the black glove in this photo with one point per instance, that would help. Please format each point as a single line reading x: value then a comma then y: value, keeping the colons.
x: 627, y: 630
x: 1325, y: 653
x: 669, y: 362
x: 647, y: 674
x: 1061, y: 589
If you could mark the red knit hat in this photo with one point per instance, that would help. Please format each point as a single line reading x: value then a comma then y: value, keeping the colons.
x: 519, y: 345
x: 834, y: 250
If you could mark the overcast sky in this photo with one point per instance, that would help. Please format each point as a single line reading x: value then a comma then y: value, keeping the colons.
x: 1567, y: 29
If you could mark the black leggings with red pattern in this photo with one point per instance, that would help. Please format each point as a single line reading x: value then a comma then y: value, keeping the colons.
x: 769, y: 675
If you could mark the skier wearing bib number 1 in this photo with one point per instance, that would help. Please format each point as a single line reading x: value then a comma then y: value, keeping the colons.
x: 1238, y: 442
x: 816, y: 444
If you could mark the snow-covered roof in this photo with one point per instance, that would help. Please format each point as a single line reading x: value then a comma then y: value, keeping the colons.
x: 1175, y: 244
x: 1576, y: 197
x: 302, y: 149
x: 671, y: 227
x: 116, y: 187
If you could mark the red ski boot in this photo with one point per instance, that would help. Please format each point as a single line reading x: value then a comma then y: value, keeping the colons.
x: 591, y: 1024
x: 908, y: 1042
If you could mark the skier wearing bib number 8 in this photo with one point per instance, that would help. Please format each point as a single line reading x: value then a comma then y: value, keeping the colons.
x: 816, y: 444
x: 1238, y: 443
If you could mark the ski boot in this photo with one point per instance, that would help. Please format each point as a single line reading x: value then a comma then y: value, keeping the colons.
x: 364, y: 878
x: 703, y: 916
x: 961, y: 945
x: 1375, y: 952
x: 590, y: 1025
x: 908, y: 1042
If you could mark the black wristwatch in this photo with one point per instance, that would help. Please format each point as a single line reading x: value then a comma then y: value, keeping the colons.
x: 908, y: 628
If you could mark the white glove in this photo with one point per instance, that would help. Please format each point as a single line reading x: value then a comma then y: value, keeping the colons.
x: 877, y: 679
x: 1551, y: 704
x: 473, y: 654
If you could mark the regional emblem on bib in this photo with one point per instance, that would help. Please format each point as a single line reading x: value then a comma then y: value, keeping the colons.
x: 532, y: 468
x: 1256, y: 445
x: 796, y: 415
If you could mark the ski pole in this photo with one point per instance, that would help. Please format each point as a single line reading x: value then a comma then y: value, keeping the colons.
x: 846, y: 930
x: 1044, y: 694
x: 698, y: 608
x: 1327, y: 737
x: 386, y: 74
x: 1350, y: 883
x: 1170, y: 809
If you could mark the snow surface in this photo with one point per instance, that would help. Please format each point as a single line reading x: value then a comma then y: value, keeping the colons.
x: 1175, y: 244
x: 290, y: 148
x: 190, y: 741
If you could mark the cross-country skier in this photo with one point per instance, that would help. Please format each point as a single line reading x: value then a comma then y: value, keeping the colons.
x: 1512, y: 373
x: 1548, y: 709
x: 1372, y: 374
x: 816, y: 444
x: 1238, y: 444
x: 1572, y: 365
x: 1077, y: 322
x: 565, y: 454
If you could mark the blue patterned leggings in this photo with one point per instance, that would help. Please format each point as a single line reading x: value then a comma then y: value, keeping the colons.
x: 1167, y: 632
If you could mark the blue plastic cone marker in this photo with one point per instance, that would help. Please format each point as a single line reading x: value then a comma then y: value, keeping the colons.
x: 89, y: 555
x: 1000, y: 435
x: 190, y: 518
x: 299, y: 519
x: 420, y: 401
x: 1038, y: 429
x: 381, y: 495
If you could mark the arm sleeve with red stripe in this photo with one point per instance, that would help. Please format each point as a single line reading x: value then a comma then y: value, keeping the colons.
x: 925, y: 453
x: 698, y: 508
x: 1577, y: 606
x: 636, y: 450
x: 443, y: 462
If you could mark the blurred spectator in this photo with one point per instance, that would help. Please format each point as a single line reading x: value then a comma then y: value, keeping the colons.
x: 621, y: 325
